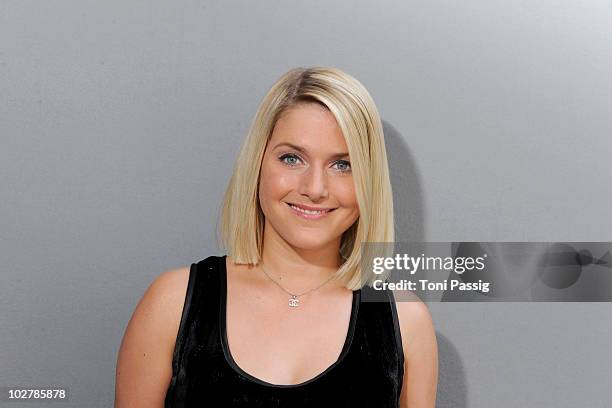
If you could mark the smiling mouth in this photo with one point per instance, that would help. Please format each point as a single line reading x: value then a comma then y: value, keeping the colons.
x: 308, y: 214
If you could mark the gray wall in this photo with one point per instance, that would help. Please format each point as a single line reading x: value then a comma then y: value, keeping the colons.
x: 120, y: 122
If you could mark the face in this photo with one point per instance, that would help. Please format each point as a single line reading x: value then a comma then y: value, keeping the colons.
x: 306, y: 188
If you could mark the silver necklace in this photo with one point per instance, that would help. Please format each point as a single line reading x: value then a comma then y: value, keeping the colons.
x: 293, y: 300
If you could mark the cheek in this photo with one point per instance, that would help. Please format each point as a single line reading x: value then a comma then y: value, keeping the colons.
x: 345, y: 193
x: 274, y: 184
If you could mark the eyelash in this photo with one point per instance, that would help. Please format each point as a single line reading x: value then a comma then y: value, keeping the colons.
x: 287, y: 155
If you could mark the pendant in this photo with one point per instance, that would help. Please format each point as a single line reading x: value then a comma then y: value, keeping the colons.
x: 294, y: 301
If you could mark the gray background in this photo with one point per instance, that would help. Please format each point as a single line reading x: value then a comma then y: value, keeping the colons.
x: 120, y: 122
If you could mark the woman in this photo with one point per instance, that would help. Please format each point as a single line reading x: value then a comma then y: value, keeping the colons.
x: 279, y: 321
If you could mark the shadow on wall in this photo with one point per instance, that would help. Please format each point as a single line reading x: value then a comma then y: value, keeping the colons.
x: 410, y: 226
x: 407, y: 191
x: 452, y: 388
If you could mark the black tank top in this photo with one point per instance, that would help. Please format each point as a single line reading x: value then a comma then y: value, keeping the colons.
x: 368, y: 372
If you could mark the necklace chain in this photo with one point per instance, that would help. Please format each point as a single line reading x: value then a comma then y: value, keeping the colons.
x: 294, y: 295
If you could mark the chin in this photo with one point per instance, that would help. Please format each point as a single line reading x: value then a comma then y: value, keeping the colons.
x: 309, y: 243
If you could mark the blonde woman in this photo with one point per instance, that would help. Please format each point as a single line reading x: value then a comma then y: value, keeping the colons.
x: 279, y: 321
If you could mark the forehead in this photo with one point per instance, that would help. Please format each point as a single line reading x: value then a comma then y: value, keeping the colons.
x: 310, y: 126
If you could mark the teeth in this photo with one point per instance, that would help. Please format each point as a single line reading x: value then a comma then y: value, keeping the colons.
x: 307, y: 211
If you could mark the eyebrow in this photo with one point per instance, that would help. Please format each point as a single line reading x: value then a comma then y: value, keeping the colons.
x: 302, y: 150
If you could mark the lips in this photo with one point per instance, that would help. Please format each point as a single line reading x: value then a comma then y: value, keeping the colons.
x: 309, y: 212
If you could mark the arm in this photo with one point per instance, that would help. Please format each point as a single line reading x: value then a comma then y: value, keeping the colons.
x: 420, y: 355
x: 144, y: 364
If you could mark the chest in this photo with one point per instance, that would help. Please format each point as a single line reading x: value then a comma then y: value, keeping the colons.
x: 279, y: 344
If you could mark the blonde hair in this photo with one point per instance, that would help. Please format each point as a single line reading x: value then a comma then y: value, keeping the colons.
x: 242, y: 220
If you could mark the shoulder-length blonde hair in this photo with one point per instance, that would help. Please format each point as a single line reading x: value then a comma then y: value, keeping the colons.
x: 242, y: 220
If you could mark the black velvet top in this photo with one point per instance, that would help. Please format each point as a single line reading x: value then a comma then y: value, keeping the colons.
x: 368, y: 372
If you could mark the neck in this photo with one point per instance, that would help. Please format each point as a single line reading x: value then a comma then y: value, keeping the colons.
x: 296, y: 267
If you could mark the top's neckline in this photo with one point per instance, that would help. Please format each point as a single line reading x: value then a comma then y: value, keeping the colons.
x: 225, y: 345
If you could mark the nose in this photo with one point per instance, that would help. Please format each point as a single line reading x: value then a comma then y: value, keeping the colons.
x: 313, y: 183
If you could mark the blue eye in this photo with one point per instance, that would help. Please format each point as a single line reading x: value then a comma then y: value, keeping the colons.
x: 293, y: 160
x: 346, y: 164
x: 289, y: 156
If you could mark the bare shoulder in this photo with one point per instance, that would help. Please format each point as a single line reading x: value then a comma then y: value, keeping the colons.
x: 169, y: 288
x: 415, y: 322
x: 162, y: 303
x: 420, y: 353
x: 144, y: 363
